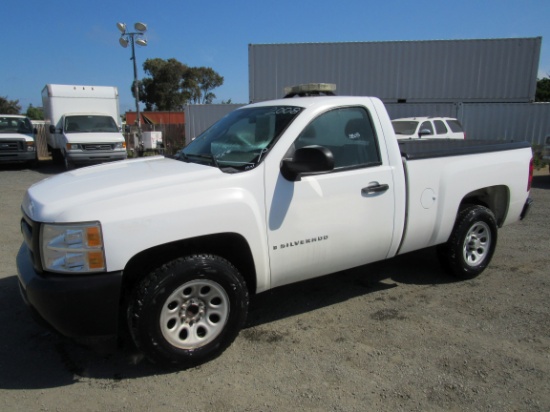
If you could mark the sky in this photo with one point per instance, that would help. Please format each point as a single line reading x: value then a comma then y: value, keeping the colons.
x: 76, y: 42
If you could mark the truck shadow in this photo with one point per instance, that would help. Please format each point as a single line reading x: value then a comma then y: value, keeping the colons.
x: 418, y: 268
x: 541, y: 182
x: 32, y: 357
x: 45, y: 166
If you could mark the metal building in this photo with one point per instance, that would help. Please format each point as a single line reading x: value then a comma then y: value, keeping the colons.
x: 488, y: 84
x: 482, y: 70
x: 200, y: 117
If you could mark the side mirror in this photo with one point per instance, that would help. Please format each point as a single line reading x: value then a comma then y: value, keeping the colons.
x: 424, y: 132
x: 309, y: 159
x: 35, y: 131
x: 52, y: 129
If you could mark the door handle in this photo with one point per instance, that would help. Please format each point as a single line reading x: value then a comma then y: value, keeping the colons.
x: 374, y: 188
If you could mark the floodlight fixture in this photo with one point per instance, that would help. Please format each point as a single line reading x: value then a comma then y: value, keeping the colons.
x: 140, y: 27
x: 137, y: 37
x: 123, y: 42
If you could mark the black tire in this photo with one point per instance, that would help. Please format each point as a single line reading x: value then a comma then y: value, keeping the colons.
x: 472, y: 243
x: 188, y: 311
x: 57, y: 156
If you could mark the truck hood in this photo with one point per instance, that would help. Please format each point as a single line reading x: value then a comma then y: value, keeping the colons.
x: 95, y: 137
x: 14, y: 136
x: 66, y: 196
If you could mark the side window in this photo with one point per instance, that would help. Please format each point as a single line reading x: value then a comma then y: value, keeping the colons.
x: 440, y: 127
x: 427, y: 125
x: 348, y: 133
x: 455, y: 126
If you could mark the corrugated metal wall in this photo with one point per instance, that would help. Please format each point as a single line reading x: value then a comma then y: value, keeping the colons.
x: 485, y: 70
x: 493, y: 121
x: 398, y: 110
x: 506, y: 121
x: 198, y: 117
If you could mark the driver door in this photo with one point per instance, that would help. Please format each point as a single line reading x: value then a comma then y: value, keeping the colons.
x: 335, y: 220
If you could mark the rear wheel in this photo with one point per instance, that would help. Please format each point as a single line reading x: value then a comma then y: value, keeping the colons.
x: 472, y: 243
x: 188, y: 311
x: 57, y: 156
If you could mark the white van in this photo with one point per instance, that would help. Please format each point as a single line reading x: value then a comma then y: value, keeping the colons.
x: 428, y: 127
x: 84, y: 124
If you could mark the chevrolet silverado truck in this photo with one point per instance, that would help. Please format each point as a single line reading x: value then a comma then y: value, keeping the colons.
x: 171, y: 249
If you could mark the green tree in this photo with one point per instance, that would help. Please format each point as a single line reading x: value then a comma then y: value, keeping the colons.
x: 163, y: 89
x: 35, y: 113
x: 9, y: 106
x: 199, y: 82
x: 170, y: 84
x: 543, y: 90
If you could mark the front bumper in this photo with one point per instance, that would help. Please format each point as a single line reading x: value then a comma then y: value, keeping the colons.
x: 89, y: 157
x: 18, y: 157
x: 83, y: 308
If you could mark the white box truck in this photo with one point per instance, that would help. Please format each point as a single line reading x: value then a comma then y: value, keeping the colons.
x: 84, y: 124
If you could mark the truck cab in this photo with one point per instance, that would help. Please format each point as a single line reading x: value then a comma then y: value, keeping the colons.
x: 78, y: 148
x: 17, y: 140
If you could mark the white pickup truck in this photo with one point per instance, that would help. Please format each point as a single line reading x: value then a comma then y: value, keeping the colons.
x: 274, y: 193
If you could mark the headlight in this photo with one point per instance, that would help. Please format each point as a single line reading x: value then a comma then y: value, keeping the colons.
x: 72, y: 248
x: 120, y: 145
x: 31, y: 147
x: 73, y: 146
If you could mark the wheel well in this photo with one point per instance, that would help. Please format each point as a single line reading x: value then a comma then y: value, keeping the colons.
x: 496, y: 198
x: 230, y: 246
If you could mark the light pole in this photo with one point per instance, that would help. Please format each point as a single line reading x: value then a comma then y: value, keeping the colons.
x: 134, y: 37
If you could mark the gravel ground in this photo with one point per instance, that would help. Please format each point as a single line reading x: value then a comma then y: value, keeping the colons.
x: 391, y: 336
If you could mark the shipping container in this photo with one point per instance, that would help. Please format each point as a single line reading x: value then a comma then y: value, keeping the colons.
x: 480, y: 70
x: 199, y: 117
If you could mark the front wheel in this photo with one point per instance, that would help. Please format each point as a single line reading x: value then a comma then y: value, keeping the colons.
x: 472, y: 243
x: 188, y: 311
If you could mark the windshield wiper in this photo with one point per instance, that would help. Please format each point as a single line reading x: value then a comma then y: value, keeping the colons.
x: 201, y: 156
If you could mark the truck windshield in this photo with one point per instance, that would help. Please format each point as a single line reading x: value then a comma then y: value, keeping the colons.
x: 15, y: 125
x: 240, y: 140
x: 405, y: 127
x: 90, y: 124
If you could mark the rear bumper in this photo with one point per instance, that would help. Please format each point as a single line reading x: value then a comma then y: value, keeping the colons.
x: 83, y: 308
x: 526, y: 208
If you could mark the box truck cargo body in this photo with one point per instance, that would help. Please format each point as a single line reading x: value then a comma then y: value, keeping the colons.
x: 84, y: 124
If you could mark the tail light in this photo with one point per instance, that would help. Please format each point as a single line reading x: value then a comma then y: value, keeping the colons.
x: 530, y: 175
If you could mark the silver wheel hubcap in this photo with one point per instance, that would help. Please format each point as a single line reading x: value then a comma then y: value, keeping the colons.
x: 477, y: 244
x: 194, y: 314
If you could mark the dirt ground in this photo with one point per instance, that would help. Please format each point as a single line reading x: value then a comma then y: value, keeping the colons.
x: 391, y: 336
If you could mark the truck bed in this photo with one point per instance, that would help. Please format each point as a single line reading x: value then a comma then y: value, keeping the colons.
x: 425, y: 148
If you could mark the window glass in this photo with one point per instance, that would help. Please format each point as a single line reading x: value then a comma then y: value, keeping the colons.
x: 240, y: 140
x: 427, y: 125
x: 440, y: 127
x: 455, y: 126
x: 15, y: 125
x: 348, y: 133
x: 90, y: 124
x: 404, y: 127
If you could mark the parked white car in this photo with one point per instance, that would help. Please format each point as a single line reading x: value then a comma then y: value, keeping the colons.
x: 428, y: 127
